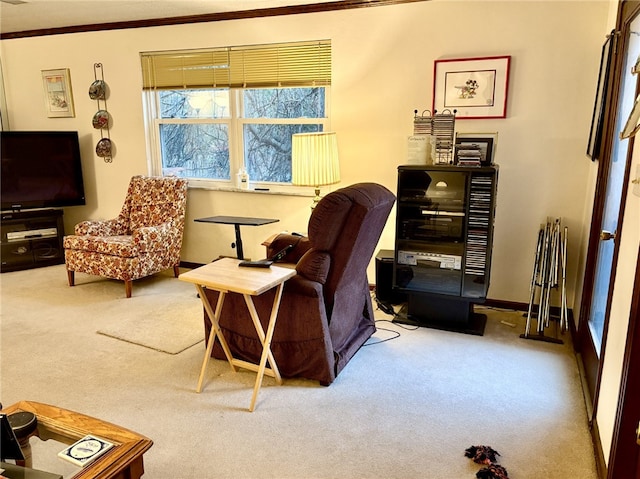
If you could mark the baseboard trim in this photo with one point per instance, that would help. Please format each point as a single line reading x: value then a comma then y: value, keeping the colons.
x: 519, y: 306
x: 502, y: 304
x: 188, y: 265
x: 601, y: 464
x: 598, y: 452
x: 513, y: 305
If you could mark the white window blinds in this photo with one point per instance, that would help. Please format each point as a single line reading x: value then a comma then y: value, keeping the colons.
x: 296, y: 64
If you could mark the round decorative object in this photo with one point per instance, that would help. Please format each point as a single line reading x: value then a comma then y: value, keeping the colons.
x: 98, y: 90
x: 103, y: 148
x: 23, y: 424
x: 101, y: 120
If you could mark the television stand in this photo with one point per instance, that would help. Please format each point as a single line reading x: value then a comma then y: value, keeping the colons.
x: 31, y: 239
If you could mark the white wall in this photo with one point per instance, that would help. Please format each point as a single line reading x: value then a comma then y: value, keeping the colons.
x: 382, y: 71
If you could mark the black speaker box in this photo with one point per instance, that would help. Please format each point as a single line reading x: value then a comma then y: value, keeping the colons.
x: 384, y: 279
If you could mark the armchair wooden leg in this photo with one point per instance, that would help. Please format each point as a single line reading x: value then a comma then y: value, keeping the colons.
x: 127, y: 287
x: 176, y: 270
x: 71, y: 277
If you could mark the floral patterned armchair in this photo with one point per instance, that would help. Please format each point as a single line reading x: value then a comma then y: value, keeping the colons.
x: 144, y: 239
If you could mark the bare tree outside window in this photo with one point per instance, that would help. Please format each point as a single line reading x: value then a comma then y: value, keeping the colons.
x: 195, y: 137
x: 195, y: 151
x: 267, y: 146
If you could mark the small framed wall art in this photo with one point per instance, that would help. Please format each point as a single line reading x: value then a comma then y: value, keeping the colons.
x: 476, y: 148
x: 58, y: 96
x: 474, y: 87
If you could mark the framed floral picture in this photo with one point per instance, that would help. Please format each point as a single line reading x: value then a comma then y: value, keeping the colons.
x: 473, y: 87
x: 58, y: 96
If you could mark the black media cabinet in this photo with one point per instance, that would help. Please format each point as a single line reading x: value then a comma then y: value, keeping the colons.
x: 31, y: 239
x: 444, y: 237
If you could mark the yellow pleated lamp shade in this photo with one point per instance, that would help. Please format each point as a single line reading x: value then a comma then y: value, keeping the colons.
x: 314, y: 159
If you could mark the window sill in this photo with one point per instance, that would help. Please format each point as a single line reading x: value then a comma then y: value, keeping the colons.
x: 300, y: 191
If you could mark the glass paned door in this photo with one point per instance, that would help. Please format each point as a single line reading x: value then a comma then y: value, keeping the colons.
x: 613, y: 197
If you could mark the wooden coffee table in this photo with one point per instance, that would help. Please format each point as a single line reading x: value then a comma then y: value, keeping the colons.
x: 224, y: 276
x: 123, y: 461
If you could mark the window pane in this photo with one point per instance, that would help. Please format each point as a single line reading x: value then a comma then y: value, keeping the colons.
x: 195, y: 150
x: 194, y: 103
x: 267, y: 150
x: 284, y: 103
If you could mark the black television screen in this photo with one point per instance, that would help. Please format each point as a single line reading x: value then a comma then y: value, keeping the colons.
x: 40, y: 169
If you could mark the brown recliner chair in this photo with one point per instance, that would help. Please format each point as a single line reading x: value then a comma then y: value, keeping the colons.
x: 326, y: 313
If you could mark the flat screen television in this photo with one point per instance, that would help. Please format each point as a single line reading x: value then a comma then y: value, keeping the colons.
x: 40, y: 169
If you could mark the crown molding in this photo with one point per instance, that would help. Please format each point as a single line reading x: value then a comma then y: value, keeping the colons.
x: 212, y: 17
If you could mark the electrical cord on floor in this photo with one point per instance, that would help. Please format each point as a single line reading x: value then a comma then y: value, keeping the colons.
x: 387, y: 309
x: 396, y: 334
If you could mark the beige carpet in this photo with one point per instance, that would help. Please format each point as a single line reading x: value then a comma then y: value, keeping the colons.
x: 402, y: 409
x: 169, y: 323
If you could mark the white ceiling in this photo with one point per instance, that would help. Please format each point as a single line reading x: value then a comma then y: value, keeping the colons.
x: 24, y: 15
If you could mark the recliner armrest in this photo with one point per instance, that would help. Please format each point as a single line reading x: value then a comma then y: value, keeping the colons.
x: 300, y: 244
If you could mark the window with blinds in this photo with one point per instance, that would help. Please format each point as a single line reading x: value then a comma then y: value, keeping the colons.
x: 214, y: 113
x: 257, y: 66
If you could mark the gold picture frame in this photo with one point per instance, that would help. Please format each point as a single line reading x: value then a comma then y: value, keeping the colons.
x: 58, y: 96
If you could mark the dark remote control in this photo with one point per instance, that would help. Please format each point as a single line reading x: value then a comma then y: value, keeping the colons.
x: 263, y: 263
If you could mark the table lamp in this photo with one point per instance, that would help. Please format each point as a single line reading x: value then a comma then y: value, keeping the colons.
x: 314, y: 161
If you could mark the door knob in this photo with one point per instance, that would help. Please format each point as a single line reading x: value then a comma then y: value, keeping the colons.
x: 638, y: 434
x: 607, y: 235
